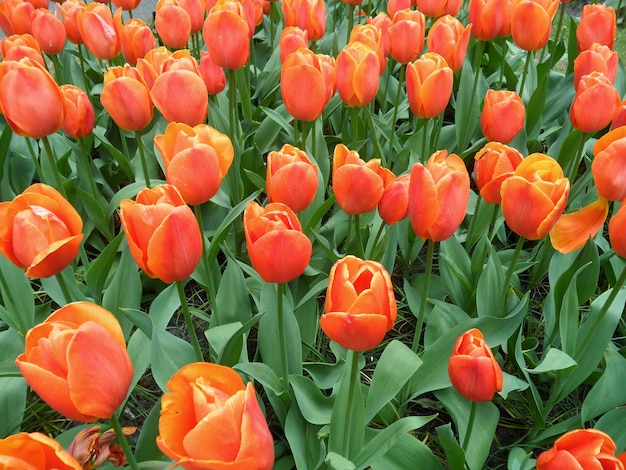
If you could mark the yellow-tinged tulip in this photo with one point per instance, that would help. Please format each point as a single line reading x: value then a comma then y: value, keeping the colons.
x: 573, y: 230
x: 429, y: 83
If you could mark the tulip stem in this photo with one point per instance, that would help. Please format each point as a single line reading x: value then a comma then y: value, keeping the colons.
x: 281, y: 335
x: 352, y: 360
x: 191, y: 330
x: 425, y: 288
x: 494, y: 218
x: 142, y: 158
x: 470, y: 425
x: 350, y: 21
x: 395, y: 108
x: 211, y: 286
x: 123, y: 443
x: 359, y: 240
x: 472, y: 226
x: 53, y: 166
x: 355, y: 127
x: 374, y: 135
x: 509, y: 273
x: 425, y: 146
x: 232, y: 103
x: 529, y: 57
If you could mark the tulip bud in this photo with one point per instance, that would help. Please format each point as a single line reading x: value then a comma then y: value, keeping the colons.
x: 291, y: 39
x: 531, y: 22
x: 489, y: 18
x: 503, y: 115
x: 594, y: 104
x: 609, y: 165
x: 226, y: 33
x: 449, y: 38
x: 308, y: 15
x: 127, y: 99
x: 598, y: 24
x: 302, y: 85
x: 48, y: 30
x: 357, y: 71
x: 494, y: 163
x: 406, y: 35
x: 429, y: 83
x: 79, y: 114
x: 291, y: 178
x: 95, y: 22
x: 394, y: 203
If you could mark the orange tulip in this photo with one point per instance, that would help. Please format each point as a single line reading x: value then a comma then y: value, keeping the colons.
x: 291, y: 39
x: 35, y: 451
x: 212, y: 74
x: 19, y: 46
x: 371, y: 36
x: 162, y: 233
x: 227, y: 33
x: 151, y: 65
x: 383, y: 23
x: 277, y: 248
x: 211, y: 400
x: 327, y: 64
x: 126, y: 5
x: 181, y: 96
x: 449, y: 38
x: 594, y: 104
x: 439, y: 8
x: 358, y: 185
x: 617, y: 231
x: 302, y: 85
x: 598, y: 23
x: 489, y: 18
x: 309, y: 15
x: 429, y: 83
x: 69, y: 12
x: 573, y: 230
x: 580, y: 449
x: 136, y: 37
x: 360, y: 304
x: 48, y: 30
x: 291, y: 178
x: 406, y: 35
x: 357, y: 71
x: 503, y: 115
x: 394, y: 203
x: 531, y: 22
x: 394, y: 6
x: 196, y: 159
x: 79, y: 114
x: 438, y: 196
x: 76, y: 361
x: 196, y: 9
x: 15, y: 16
x: 473, y: 370
x: 534, y: 197
x: 95, y: 22
x: 609, y: 165
x: 127, y: 99
x: 494, y: 163
x: 619, y: 116
x: 40, y: 231
x: 172, y: 23
x: 597, y: 58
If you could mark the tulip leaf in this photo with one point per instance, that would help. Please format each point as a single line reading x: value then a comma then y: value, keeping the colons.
x: 169, y: 354
x: 520, y: 459
x: 270, y: 127
x: 468, y: 102
x: 306, y: 447
x: 12, y: 384
x: 335, y: 461
x: 315, y: 407
x: 456, y: 272
x: 19, y: 303
x: 122, y: 160
x: 230, y: 346
x: 146, y: 448
x: 490, y: 281
x: 139, y: 319
x: 455, y: 457
x: 404, y: 453
x: 609, y: 391
x: 612, y: 423
x: 554, y: 359
x: 233, y: 301
x: 100, y: 268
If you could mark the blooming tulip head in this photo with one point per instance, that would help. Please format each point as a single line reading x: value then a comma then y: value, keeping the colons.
x: 18, y: 46
x: 69, y: 12
x: 48, y: 30
x: 503, y: 115
x: 291, y: 178
x: 394, y: 203
x: 598, y: 24
x: 277, y: 248
x: 531, y: 22
x: 309, y: 15
x: 95, y: 22
x: 15, y: 16
x: 534, y: 197
x: 291, y: 39
x: 207, y: 399
x: 473, y: 370
x: 79, y: 114
x: 438, y: 196
x: 494, y: 163
x: 226, y: 32
x: 302, y: 85
x: 162, y: 233
x: 371, y: 36
x: 449, y: 38
x: 35, y: 451
x: 489, y: 18
x: 439, y: 8
x: 609, y: 165
x: 357, y: 70
x: 598, y: 58
x: 383, y: 23
x: 173, y: 23
x: 136, y: 37
x: 594, y: 104
x: 406, y: 35
x: 360, y: 304
x: 126, y: 97
x: 76, y: 361
x: 181, y: 96
x: 40, y: 231
x: 429, y: 83
x: 212, y: 74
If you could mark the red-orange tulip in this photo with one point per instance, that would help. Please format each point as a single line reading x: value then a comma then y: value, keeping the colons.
x: 360, y: 304
x: 127, y: 99
x: 406, y: 35
x: 302, y: 85
x: 48, y: 30
x: 40, y: 231
x: 212, y: 74
x: 598, y: 58
x: 136, y: 37
x: 449, y: 38
x: 503, y: 115
x: 327, y: 63
x: 357, y: 71
x: 181, y: 96
x: 151, y: 65
x: 95, y: 22
x: 34, y: 451
x: 126, y: 4
x: 438, y: 8
x: 227, y: 33
x: 473, y: 370
x: 438, y: 196
x: 594, y: 104
x: 394, y: 6
x: 573, y: 230
x: 172, y: 23
x: 489, y: 18
x: 429, y: 83
x: 15, y: 16
x: 211, y: 400
x: 196, y: 159
x: 309, y: 15
x: 531, y: 22
x: 358, y: 185
x: 291, y: 178
x: 79, y: 114
x: 162, y: 233
x: 371, y: 36
x: 291, y: 39
x: 196, y: 9
x: 277, y: 248
x: 69, y: 11
x: 534, y: 197
x: 609, y: 165
x: 76, y: 361
x: 617, y: 231
x: 19, y: 46
x: 394, y: 203
x: 494, y: 163
x: 383, y: 23
x: 598, y: 23
x: 619, y: 116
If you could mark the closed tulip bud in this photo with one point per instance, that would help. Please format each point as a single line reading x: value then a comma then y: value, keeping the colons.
x: 69, y: 12
x: 406, y: 35
x: 291, y: 178
x: 181, y: 96
x: 394, y: 203
x: 489, y: 18
x: 207, y: 399
x: 48, y: 30
x: 136, y: 37
x: 472, y: 369
x: 15, y: 16
x: 309, y: 15
x: 531, y: 22
x: 383, y: 23
x: 534, y: 197
x: 358, y: 185
x: 196, y: 159
x: 127, y: 99
x: 76, y: 361
x: 35, y: 450
x: 302, y: 85
x: 598, y: 23
x: 439, y: 8
x: 19, y: 46
x: 126, y: 5
x: 357, y: 71
x: 360, y: 305
x: 172, y: 23
x: 371, y: 36
x: 573, y: 230
x: 95, y: 23
x: 503, y: 115
x: 291, y: 39
x: 598, y: 58
x: 79, y: 114
x: 609, y: 165
x: 449, y: 38
x: 226, y: 33
x: 494, y: 163
x: 594, y: 104
x: 162, y: 233
x: 429, y: 83
x: 438, y: 196
x: 40, y: 231
x: 196, y: 9
x: 617, y: 231
x: 212, y: 74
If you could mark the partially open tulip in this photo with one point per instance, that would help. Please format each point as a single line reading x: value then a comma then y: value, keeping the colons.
x: 207, y: 399
x: 573, y: 230
x: 598, y: 23
x: 438, y: 8
x: 357, y: 71
x: 291, y: 178
x: 473, y: 370
x: 151, y: 65
x: 309, y: 15
x: 95, y: 22
x: 449, y: 38
x: 594, y: 104
x: 503, y: 115
x: 291, y: 39
x: 35, y: 451
x: 136, y: 37
x: 15, y: 16
x: 360, y: 305
x: 181, y: 96
x: 69, y: 12
x: 173, y: 23
x: 406, y: 35
x: 162, y: 233
x: 79, y: 114
x: 617, y: 231
x: 196, y: 159
x: 494, y: 163
x: 531, y: 22
x: 76, y: 361
x: 48, y: 30
x: 597, y: 58
x: 302, y: 85
x: 489, y: 18
x: 358, y: 185
x: 609, y: 165
x: 40, y: 231
x: 212, y: 74
x: 394, y: 203
x: 19, y: 46
x: 226, y: 33
x: 438, y: 196
x: 126, y: 98
x: 534, y: 197
x: 371, y: 36
x: 429, y: 83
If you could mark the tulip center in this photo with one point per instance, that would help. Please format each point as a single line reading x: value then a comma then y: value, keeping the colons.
x: 206, y: 398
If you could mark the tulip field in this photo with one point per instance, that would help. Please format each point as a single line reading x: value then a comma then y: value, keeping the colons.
x: 358, y: 234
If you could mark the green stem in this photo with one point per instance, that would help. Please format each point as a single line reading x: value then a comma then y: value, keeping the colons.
x: 494, y: 219
x: 350, y: 21
x: 557, y: 34
x: 355, y: 127
x: 509, y: 273
x: 378, y: 234
x: 395, y: 108
x: 425, y: 147
x: 353, y: 362
x: 303, y: 136
x: 529, y: 57
x: 359, y: 240
x: 313, y: 140
x: 209, y: 276
x: 505, y: 47
x: 64, y: 288
x: 470, y: 425
x: 142, y: 158
x: 86, y: 162
x: 425, y: 288
x: 190, y: 328
x: 573, y: 167
x: 57, y: 68
x: 232, y: 103
x: 53, y: 164
x: 81, y: 59
x: 123, y: 443
x: 281, y: 335
x: 374, y: 136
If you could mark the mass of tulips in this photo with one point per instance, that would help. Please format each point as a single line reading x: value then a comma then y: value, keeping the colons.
x: 253, y: 234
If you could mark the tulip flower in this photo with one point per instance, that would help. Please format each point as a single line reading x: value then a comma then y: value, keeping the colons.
x: 40, y: 231
x: 212, y: 74
x: 35, y: 451
x: 580, y: 449
x: 126, y: 5
x: 327, y: 65
x: 291, y: 178
x: 173, y: 23
x: 597, y: 58
x: 473, y: 370
x: 196, y: 9
x: 489, y: 18
x: 619, y: 116
x: 598, y: 24
x: 617, y: 231
x: 383, y: 23
x: 48, y: 30
x: 15, y: 16
x: 358, y: 185
x: 207, y: 399
x: 19, y: 46
x: 126, y: 98
x: 394, y: 203
x: 360, y: 304
x: 302, y: 85
x: 136, y: 37
x: 69, y: 12
x: 531, y: 22
x: 609, y: 165
x: 291, y: 39
x: 494, y: 163
x: 227, y: 33
x: 394, y: 6
x: 406, y: 35
x: 573, y: 230
x: 438, y: 196
x: 277, y: 248
x: 371, y: 36
x: 162, y: 233
x: 151, y: 65
x: 357, y: 71
x: 594, y: 104
x: 449, y: 38
x: 95, y: 22
x: 93, y: 448
x: 534, y: 197
x: 196, y: 159
x: 181, y: 96
x: 503, y: 115
x: 439, y: 8
x: 76, y: 361
x: 308, y: 15
x: 79, y: 114
x: 429, y: 83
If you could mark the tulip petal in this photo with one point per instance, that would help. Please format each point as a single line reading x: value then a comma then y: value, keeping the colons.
x: 474, y: 377
x: 573, y: 230
x: 303, y: 91
x: 196, y: 173
x: 258, y: 443
x: 181, y: 96
x: 423, y: 201
x: 357, y: 188
x: 355, y: 332
x: 281, y: 255
x: 56, y: 258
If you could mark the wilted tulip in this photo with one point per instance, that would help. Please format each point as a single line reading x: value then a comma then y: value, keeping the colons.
x: 48, y: 30
x: 309, y: 15
x: 212, y: 74
x: 291, y: 39
x: 597, y: 58
x: 126, y: 98
x: 594, y: 104
x: 531, y: 22
x: 598, y: 23
x: 394, y: 203
x: 35, y: 451
x: 76, y: 361
x: 136, y: 37
x: 207, y: 399
x: 302, y: 85
x: 173, y: 23
x: 406, y: 35
x: 489, y: 18
x: 503, y: 115
x: 93, y: 448
x: 473, y: 370
x: 291, y: 178
x: 69, y: 12
x: 573, y: 230
x: 357, y: 71
x: 429, y: 83
x: 609, y: 165
x: 494, y: 163
x: 227, y: 34
x: 438, y: 8
x: 95, y: 22
x: 360, y: 304
x: 534, y: 197
x: 449, y: 38
x: 19, y: 46
x: 162, y: 233
x: 15, y: 16
x: 79, y: 114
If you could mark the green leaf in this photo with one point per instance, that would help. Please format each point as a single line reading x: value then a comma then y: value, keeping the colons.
x: 406, y: 451
x: 233, y: 300
x: 18, y: 298
x: 491, y: 280
x: 140, y: 319
x: 468, y: 102
x: 455, y: 457
x: 306, y: 447
x: 338, y: 462
x: 609, y: 391
x: 455, y: 271
x: 146, y: 448
x: 612, y: 424
x: 271, y: 126
x: 169, y: 354
x: 100, y: 268
x: 520, y: 459
x: 555, y: 359
x: 122, y: 160
x: 315, y: 407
